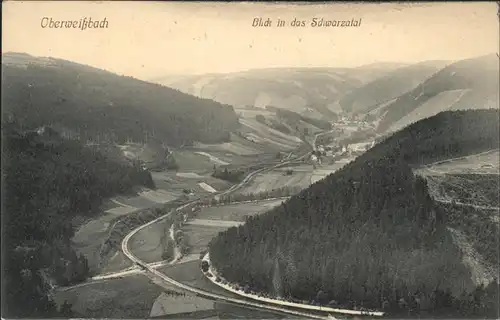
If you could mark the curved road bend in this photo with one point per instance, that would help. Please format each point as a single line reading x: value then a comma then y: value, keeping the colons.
x: 154, y: 274
x: 200, y: 292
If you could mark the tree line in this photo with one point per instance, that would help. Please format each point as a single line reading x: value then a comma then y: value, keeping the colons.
x: 261, y: 195
x: 369, y: 235
x: 232, y: 175
x: 48, y: 181
x: 92, y: 102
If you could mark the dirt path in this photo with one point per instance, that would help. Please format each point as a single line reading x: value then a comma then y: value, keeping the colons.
x: 212, y: 158
x: 123, y: 204
x: 440, y: 195
x: 214, y: 223
x: 469, y: 205
x: 130, y: 271
x: 429, y: 170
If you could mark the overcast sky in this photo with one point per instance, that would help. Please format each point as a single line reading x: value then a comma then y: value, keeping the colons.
x: 148, y: 39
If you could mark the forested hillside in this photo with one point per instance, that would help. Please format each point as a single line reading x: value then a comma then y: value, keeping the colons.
x: 446, y: 135
x: 368, y: 235
x: 47, y: 181
x: 292, y: 118
x: 94, y: 103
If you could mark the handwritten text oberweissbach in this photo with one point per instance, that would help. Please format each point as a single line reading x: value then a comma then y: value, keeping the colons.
x: 82, y: 24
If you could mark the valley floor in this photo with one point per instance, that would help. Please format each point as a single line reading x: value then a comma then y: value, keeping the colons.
x: 102, y: 297
x: 99, y: 296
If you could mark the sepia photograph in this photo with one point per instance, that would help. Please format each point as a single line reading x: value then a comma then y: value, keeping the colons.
x: 250, y: 160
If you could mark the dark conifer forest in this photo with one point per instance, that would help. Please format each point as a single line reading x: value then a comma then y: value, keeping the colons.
x: 368, y: 235
x: 94, y: 103
x: 46, y: 182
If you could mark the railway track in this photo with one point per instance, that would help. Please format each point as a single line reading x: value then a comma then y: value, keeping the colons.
x: 154, y: 274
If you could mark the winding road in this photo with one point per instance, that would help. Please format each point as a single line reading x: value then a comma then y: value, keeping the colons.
x: 430, y: 171
x: 154, y: 274
x: 150, y: 269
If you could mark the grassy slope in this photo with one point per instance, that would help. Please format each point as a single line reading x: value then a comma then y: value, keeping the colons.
x: 479, y: 75
x: 130, y: 297
x: 388, y: 87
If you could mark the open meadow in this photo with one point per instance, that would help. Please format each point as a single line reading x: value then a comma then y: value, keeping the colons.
x: 129, y: 297
x: 148, y: 243
x: 300, y: 176
x: 482, y: 163
x: 237, y: 211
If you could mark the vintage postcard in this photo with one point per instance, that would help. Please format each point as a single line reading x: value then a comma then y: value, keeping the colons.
x: 257, y: 160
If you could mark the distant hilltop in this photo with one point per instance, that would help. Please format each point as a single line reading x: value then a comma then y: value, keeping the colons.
x: 20, y: 58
